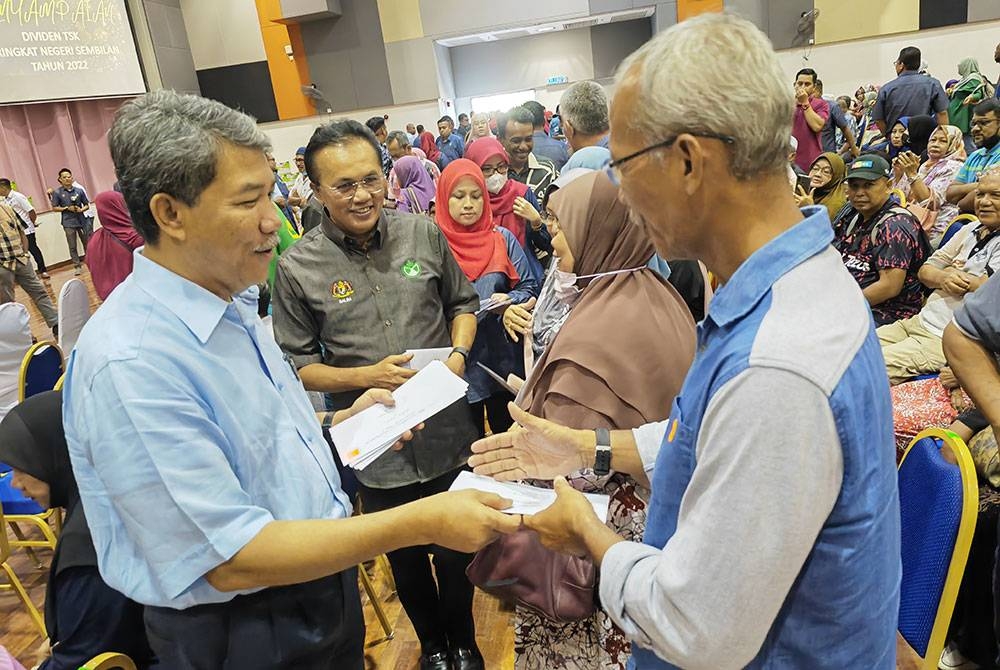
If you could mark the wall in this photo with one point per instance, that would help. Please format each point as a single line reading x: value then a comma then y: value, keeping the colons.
x: 287, y: 136
x: 161, y: 36
x: 347, y: 57
x: 525, y: 62
x: 844, y: 66
x: 228, y: 52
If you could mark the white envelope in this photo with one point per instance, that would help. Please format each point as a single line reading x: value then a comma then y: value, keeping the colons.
x: 526, y: 499
x: 369, y: 434
x: 423, y: 357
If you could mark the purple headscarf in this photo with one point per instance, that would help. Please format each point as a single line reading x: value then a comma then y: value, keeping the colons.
x: 413, y: 177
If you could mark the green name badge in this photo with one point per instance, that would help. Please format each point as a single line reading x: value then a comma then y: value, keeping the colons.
x: 411, y: 269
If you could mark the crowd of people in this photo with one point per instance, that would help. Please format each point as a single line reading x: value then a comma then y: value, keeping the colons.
x: 745, y: 423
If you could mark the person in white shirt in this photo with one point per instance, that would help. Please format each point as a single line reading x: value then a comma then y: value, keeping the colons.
x: 29, y: 219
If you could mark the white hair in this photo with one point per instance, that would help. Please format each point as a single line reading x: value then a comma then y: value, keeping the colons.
x: 718, y: 74
x: 585, y: 106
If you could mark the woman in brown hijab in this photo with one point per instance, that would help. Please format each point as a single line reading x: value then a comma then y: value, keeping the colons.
x: 617, y: 362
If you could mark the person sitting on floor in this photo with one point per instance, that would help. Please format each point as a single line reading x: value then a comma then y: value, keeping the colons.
x: 913, y: 346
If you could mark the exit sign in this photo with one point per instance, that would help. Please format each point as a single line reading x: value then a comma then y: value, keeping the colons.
x: 557, y: 79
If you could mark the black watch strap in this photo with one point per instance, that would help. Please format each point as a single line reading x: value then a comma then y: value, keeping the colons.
x: 328, y: 420
x: 602, y: 459
x: 463, y: 351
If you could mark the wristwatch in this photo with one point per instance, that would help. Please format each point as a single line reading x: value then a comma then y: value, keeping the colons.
x: 463, y: 351
x: 602, y: 460
x: 328, y: 420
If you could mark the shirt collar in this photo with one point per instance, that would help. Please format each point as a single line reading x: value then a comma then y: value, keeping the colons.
x: 908, y: 73
x: 337, y: 236
x: 198, y: 308
x: 533, y: 163
x: 754, y: 278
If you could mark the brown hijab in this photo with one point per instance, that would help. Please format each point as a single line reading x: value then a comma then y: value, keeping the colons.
x: 626, y: 347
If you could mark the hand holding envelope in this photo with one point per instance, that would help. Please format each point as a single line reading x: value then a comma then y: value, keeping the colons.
x: 365, y: 436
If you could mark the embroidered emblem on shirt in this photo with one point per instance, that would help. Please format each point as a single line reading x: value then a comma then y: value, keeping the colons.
x: 411, y: 269
x: 342, y: 290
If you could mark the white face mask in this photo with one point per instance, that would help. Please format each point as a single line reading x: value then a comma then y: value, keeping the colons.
x: 564, y: 283
x: 495, y: 182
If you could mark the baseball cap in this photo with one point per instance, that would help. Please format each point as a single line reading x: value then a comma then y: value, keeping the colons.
x: 870, y: 167
x: 301, y: 151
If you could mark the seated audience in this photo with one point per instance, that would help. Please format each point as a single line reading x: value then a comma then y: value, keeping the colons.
x: 826, y: 184
x: 109, y: 252
x: 416, y: 187
x: 986, y: 136
x: 542, y: 145
x: 972, y: 346
x: 15, y: 267
x: 84, y: 616
x: 881, y: 243
x: 913, y: 346
x: 935, y: 402
x: 583, y: 379
x: 838, y: 131
x: 926, y: 183
x: 399, y: 146
x: 515, y: 131
x: 496, y: 264
x: 514, y: 206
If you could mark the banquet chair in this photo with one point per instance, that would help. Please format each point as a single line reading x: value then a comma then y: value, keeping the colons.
x: 15, y: 340
x: 956, y: 225
x: 41, y: 368
x: 109, y: 661
x: 938, y: 499
x: 74, y: 311
x: 13, y: 583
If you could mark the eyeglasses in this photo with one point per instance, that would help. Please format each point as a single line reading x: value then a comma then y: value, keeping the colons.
x: 490, y: 171
x: 348, y: 191
x: 981, y: 123
x: 614, y: 168
x: 551, y: 223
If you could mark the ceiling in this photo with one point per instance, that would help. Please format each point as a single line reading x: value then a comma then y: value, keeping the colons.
x: 565, y: 24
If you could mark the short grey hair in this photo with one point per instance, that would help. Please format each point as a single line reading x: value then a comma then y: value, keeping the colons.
x: 399, y: 137
x: 166, y: 142
x: 585, y: 106
x: 715, y: 73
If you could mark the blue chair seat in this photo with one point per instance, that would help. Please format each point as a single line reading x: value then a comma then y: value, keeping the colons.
x: 13, y: 501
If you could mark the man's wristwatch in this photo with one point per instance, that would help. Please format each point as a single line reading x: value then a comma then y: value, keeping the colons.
x: 602, y: 460
x: 328, y: 420
x: 463, y: 351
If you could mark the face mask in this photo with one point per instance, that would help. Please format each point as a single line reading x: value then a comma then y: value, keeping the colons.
x: 564, y: 283
x: 495, y: 182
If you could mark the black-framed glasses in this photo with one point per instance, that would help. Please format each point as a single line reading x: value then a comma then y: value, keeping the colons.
x: 348, y: 191
x: 489, y: 171
x: 614, y: 168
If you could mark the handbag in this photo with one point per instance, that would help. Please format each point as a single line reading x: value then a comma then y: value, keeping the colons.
x: 926, y: 217
x: 518, y: 567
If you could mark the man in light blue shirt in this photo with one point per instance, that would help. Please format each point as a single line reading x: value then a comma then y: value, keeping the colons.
x: 211, y: 494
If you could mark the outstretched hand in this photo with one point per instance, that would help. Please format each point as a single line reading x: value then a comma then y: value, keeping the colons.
x: 535, y: 448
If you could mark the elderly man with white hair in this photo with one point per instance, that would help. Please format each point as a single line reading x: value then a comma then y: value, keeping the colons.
x: 583, y: 109
x: 772, y: 538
